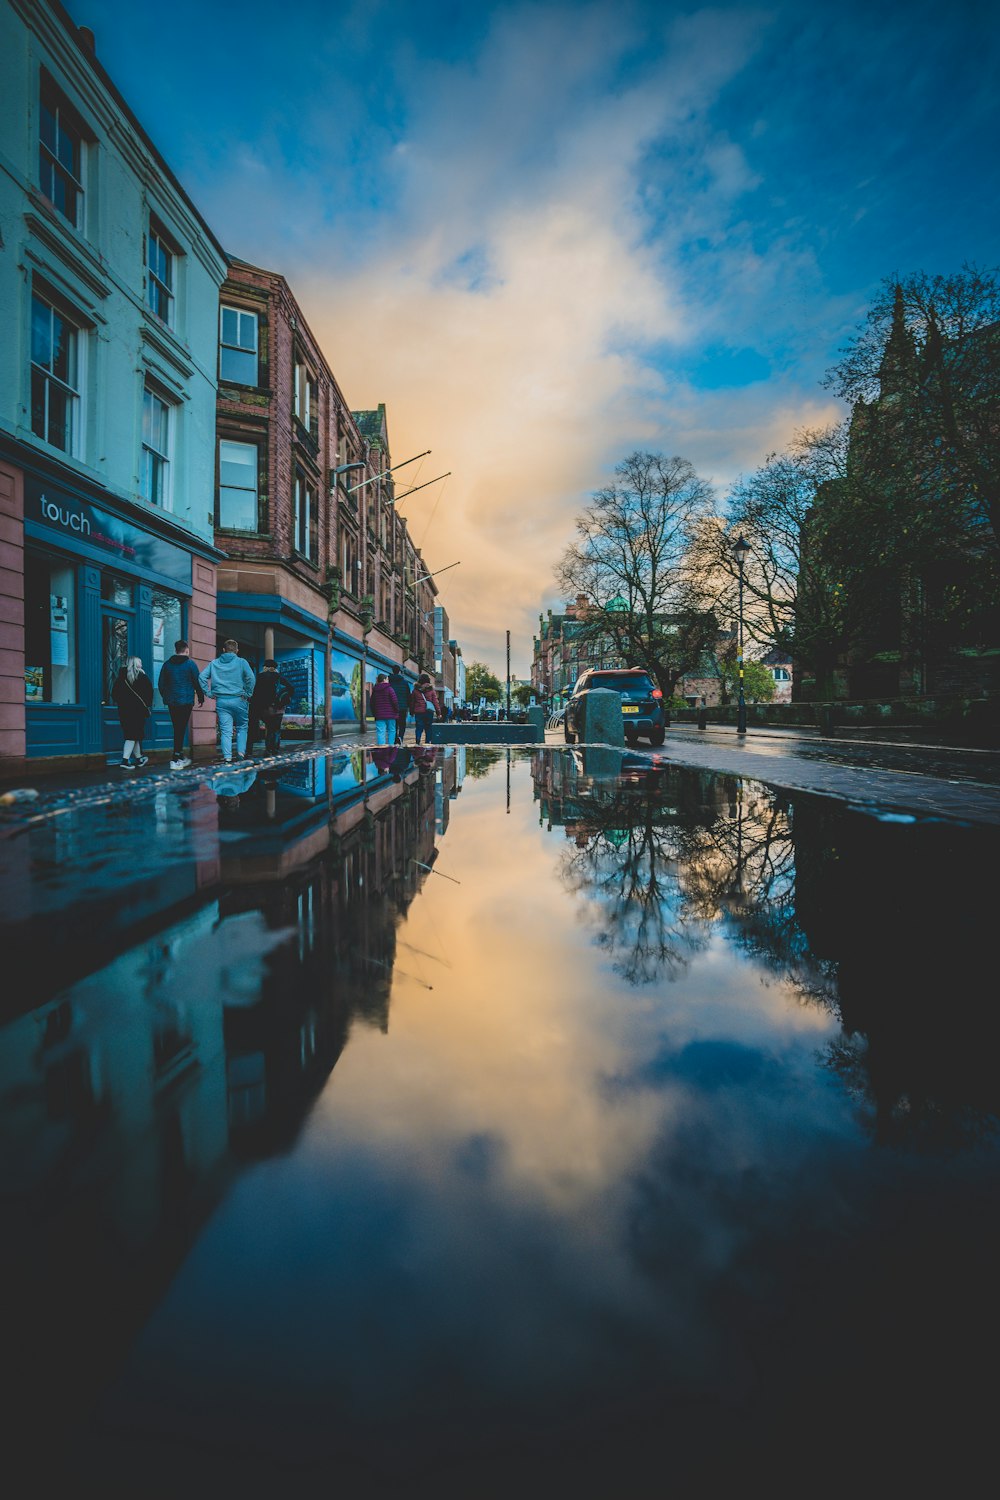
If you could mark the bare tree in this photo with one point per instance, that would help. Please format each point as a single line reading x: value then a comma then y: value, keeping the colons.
x: 631, y: 561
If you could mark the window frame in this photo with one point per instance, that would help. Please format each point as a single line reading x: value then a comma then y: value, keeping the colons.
x: 165, y: 499
x: 238, y: 442
x: 239, y: 349
x: 75, y: 393
x: 154, y: 281
x: 52, y: 99
x: 305, y: 524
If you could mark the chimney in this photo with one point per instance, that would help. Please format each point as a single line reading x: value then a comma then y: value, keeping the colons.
x: 85, y: 37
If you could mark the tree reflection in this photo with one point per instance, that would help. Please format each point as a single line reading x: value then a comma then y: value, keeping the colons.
x: 883, y: 924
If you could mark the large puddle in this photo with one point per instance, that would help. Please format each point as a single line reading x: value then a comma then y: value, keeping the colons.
x: 500, y: 1121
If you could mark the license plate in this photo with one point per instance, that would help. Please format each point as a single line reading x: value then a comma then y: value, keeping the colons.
x: 630, y: 708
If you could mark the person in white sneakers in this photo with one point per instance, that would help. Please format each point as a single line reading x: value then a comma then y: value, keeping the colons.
x: 230, y: 681
x: 132, y: 695
x: 178, y: 686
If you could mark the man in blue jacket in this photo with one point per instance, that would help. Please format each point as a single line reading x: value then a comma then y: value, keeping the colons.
x: 230, y: 681
x: 178, y: 686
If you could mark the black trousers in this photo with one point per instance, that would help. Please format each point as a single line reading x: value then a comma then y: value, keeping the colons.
x: 180, y: 713
x: 270, y: 727
x: 400, y: 729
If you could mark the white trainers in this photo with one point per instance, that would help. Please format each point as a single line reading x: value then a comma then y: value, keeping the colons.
x: 126, y: 765
x: 142, y: 760
x: 185, y: 760
x: 177, y: 765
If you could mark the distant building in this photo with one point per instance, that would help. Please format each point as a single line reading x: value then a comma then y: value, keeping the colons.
x: 109, y: 282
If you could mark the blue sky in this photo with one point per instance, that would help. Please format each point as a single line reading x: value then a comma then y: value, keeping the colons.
x: 547, y: 234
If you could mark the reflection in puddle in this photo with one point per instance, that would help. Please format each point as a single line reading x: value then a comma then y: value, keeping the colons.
x: 418, y: 1112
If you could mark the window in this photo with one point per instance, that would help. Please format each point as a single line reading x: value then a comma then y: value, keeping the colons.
x: 304, y: 520
x: 60, y: 154
x: 55, y: 392
x: 155, y: 467
x: 349, y: 563
x: 238, y: 346
x: 782, y: 674
x: 305, y: 404
x: 168, y: 626
x: 237, y: 486
x: 49, y: 630
x: 160, y: 261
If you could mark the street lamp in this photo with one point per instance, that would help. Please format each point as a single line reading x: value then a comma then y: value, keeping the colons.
x: 740, y: 550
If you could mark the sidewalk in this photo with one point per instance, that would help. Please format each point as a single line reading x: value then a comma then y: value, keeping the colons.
x: 928, y: 781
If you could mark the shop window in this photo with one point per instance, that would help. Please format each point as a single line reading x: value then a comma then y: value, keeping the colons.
x: 237, y: 509
x: 161, y: 261
x: 237, y: 345
x: 168, y: 626
x: 55, y: 375
x: 61, y: 150
x: 154, y: 473
x: 49, y: 630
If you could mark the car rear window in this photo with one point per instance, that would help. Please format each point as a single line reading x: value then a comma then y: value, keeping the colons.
x: 622, y: 682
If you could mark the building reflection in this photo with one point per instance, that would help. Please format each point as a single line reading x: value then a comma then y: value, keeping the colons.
x: 131, y: 1097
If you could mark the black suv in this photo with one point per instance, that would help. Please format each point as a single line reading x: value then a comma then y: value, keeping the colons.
x: 642, y: 703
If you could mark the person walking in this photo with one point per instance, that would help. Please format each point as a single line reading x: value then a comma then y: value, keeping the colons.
x: 401, y: 688
x: 132, y: 695
x: 385, y: 709
x: 269, y: 700
x: 423, y: 706
x: 230, y: 681
x: 178, y: 686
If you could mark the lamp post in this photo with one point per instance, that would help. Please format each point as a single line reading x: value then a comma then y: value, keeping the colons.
x: 740, y: 550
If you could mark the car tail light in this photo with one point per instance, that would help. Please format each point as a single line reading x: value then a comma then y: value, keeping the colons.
x: 657, y: 693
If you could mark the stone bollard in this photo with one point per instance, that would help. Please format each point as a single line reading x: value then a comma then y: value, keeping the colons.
x: 536, y: 716
x: 602, y: 718
x: 702, y: 719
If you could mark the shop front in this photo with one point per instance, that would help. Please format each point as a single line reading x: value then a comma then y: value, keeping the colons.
x: 99, y: 587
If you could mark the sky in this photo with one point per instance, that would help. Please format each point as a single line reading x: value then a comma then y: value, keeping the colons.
x: 547, y: 235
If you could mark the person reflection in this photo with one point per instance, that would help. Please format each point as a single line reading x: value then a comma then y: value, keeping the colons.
x: 401, y: 761
x: 230, y: 789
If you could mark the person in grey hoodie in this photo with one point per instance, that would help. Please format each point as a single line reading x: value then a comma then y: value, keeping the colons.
x: 230, y: 681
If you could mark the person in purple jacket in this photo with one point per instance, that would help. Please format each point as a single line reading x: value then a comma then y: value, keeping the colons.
x: 385, y: 708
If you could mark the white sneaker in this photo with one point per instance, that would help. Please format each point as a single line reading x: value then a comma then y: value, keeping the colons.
x: 143, y: 759
x: 126, y: 765
x: 185, y: 760
x: 177, y: 765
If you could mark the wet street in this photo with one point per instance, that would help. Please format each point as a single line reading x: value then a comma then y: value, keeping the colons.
x: 488, y: 1121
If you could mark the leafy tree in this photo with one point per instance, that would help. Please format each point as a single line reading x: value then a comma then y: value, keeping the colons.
x: 758, y: 683
x: 480, y: 682
x: 630, y: 561
x: 522, y: 694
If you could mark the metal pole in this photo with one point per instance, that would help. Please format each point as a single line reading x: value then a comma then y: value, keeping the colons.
x: 508, y: 676
x: 741, y: 711
x: 363, y: 710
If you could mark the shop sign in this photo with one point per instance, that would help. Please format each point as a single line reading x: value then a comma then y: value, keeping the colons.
x: 75, y: 518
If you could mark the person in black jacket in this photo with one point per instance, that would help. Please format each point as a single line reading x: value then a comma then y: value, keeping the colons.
x: 178, y: 686
x: 401, y: 688
x: 270, y: 698
x: 132, y: 694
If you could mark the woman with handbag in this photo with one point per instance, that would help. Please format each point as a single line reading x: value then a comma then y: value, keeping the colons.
x: 423, y: 707
x: 133, y: 697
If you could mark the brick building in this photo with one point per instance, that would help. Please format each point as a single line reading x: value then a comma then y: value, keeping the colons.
x: 320, y: 571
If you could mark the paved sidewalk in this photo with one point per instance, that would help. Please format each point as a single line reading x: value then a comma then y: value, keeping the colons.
x: 768, y: 757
